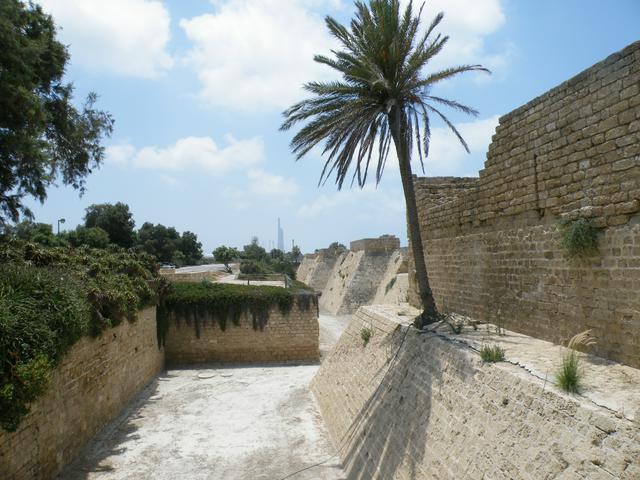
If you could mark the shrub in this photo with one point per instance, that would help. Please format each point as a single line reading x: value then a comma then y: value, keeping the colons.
x: 49, y: 298
x: 252, y: 267
x: 492, y: 353
x: 365, y: 334
x: 579, y: 238
x: 390, y: 285
x: 569, y: 377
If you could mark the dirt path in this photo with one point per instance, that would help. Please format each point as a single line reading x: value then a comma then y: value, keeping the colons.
x: 227, y: 423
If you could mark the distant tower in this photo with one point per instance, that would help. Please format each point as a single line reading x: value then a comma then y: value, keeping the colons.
x: 280, y: 237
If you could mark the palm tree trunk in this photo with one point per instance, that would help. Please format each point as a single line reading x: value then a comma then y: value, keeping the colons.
x: 398, y: 133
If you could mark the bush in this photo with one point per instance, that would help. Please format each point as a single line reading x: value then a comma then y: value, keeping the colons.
x: 49, y: 298
x: 252, y: 267
x: 569, y: 377
x: 579, y: 238
x: 365, y: 334
x: 492, y: 354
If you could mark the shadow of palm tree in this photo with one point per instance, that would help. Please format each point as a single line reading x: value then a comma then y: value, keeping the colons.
x: 389, y: 436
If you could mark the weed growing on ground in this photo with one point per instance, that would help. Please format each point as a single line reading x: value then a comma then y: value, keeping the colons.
x: 569, y: 377
x: 492, y: 353
x: 365, y: 334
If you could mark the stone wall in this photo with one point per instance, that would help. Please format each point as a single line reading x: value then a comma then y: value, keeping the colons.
x: 383, y: 244
x: 493, y: 244
x: 95, y: 380
x: 419, y: 405
x: 290, y: 337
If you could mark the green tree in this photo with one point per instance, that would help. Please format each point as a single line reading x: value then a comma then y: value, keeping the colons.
x: 225, y: 255
x: 254, y: 251
x: 41, y: 233
x: 94, y: 237
x: 116, y: 220
x: 384, y: 95
x: 159, y: 241
x: 43, y: 137
x: 191, y: 248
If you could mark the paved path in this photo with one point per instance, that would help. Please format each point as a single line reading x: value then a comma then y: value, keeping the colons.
x: 234, y: 423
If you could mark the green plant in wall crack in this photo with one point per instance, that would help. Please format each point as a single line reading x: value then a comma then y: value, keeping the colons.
x: 569, y: 377
x: 492, y: 353
x: 365, y: 334
x: 579, y: 238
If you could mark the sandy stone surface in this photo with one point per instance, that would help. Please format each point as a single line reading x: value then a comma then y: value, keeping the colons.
x: 245, y: 422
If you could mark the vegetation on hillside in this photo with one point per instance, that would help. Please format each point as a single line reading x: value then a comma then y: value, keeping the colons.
x: 52, y: 296
x: 384, y: 95
x: 255, y: 260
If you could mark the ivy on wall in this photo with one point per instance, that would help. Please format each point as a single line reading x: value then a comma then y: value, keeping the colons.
x: 49, y: 299
x: 197, y: 303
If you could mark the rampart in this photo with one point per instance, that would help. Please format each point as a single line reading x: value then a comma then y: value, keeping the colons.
x: 353, y: 278
x: 293, y: 336
x: 383, y: 244
x: 412, y: 404
x: 95, y: 380
x: 493, y: 244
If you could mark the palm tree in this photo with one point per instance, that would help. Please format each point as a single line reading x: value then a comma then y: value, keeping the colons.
x: 383, y: 95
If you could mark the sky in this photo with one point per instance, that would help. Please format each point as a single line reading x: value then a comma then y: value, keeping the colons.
x: 197, y: 89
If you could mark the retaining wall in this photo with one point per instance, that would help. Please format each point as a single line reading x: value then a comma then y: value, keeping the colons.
x: 418, y: 405
x: 285, y: 337
x: 95, y: 380
x: 492, y: 244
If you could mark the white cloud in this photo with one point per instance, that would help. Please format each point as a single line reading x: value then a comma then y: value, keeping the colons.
x: 467, y: 23
x: 201, y: 153
x: 448, y: 157
x: 252, y: 54
x: 267, y: 184
x: 126, y: 37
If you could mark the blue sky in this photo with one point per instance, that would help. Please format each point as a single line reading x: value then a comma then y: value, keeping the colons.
x: 197, y: 89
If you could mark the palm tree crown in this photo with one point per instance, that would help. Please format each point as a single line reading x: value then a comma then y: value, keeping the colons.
x: 383, y: 93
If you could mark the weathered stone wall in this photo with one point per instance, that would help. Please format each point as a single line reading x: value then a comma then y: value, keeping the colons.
x: 93, y: 383
x: 394, y: 283
x: 290, y: 337
x: 305, y: 268
x: 493, y: 244
x: 382, y: 244
x: 324, y: 265
x: 418, y: 405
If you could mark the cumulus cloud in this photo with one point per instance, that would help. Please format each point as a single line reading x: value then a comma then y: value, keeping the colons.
x: 252, y: 54
x: 125, y: 37
x: 201, y: 153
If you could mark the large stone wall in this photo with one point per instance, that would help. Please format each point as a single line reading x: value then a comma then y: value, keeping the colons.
x: 419, y: 405
x: 285, y: 337
x: 95, y: 380
x: 359, y: 276
x: 493, y: 244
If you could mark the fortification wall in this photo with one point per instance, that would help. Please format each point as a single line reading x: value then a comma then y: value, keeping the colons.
x: 383, y: 244
x: 419, y: 405
x: 95, y: 380
x: 394, y: 283
x: 285, y: 337
x: 305, y: 268
x: 493, y: 245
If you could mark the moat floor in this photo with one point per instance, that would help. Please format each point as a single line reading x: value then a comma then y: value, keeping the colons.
x: 245, y: 422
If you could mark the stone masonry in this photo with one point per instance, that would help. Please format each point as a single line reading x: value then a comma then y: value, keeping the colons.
x: 420, y: 405
x: 290, y: 337
x: 95, y: 380
x: 493, y: 243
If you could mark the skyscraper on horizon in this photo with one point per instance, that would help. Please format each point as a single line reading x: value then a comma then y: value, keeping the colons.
x: 280, y: 237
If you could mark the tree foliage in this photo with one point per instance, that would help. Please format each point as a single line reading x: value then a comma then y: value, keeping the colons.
x: 383, y: 96
x: 226, y: 255
x: 115, y: 219
x: 43, y: 136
